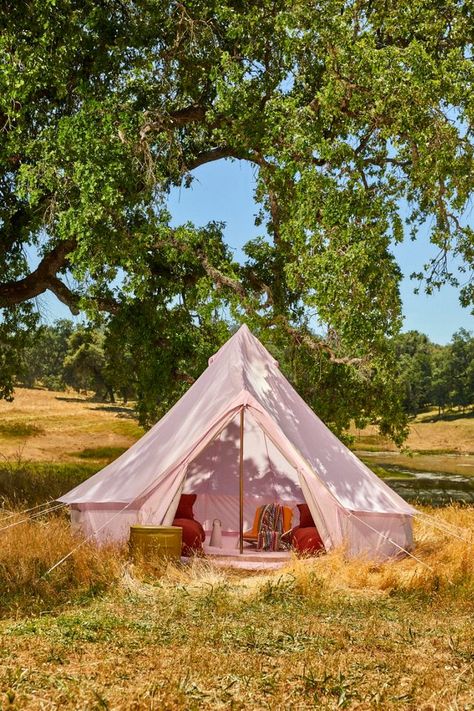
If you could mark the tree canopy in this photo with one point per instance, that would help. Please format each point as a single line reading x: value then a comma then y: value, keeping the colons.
x: 353, y: 114
x: 430, y: 374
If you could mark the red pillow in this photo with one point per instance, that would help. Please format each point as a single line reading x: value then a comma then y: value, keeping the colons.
x: 307, y: 540
x: 306, y: 520
x: 185, y: 506
x: 193, y: 535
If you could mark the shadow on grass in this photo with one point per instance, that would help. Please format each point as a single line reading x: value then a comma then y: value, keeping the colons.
x: 122, y: 411
x: 448, y: 417
x: 66, y: 398
x: 108, y: 453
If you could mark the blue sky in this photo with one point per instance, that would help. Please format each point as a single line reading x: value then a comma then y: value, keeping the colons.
x: 223, y: 191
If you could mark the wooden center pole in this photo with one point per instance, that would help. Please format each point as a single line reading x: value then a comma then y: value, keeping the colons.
x: 241, y: 484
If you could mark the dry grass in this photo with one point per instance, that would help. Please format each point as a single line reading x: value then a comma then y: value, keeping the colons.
x: 427, y: 434
x: 444, y: 545
x: 101, y: 633
x: 28, y: 550
x: 50, y: 426
x: 324, y: 633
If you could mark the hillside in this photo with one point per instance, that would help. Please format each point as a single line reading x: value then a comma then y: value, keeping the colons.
x: 453, y: 434
x: 47, y: 425
x: 41, y: 425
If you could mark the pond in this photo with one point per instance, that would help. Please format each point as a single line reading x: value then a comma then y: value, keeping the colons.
x: 432, y: 488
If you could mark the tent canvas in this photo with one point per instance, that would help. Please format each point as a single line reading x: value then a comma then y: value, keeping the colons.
x: 290, y: 456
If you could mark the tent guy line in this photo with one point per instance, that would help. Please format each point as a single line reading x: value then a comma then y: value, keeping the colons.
x: 81, y: 543
x: 438, y: 524
x: 10, y: 514
x: 33, y: 516
x: 404, y: 550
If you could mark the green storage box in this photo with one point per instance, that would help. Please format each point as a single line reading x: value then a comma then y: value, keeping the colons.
x: 156, y: 541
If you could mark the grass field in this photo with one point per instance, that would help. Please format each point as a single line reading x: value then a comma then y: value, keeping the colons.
x: 42, y: 425
x: 101, y: 633
x: 54, y: 426
x: 427, y: 435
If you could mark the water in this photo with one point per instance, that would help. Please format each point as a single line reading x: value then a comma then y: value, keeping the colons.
x: 432, y: 488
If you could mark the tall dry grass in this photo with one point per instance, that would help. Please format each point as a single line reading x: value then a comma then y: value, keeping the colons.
x: 320, y: 633
x: 445, y: 565
x: 30, y: 549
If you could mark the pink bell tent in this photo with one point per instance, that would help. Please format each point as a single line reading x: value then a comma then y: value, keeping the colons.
x: 241, y: 437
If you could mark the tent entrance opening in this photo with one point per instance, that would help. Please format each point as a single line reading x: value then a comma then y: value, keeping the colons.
x: 229, y: 496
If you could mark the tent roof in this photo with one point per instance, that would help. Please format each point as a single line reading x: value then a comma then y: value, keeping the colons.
x: 241, y: 372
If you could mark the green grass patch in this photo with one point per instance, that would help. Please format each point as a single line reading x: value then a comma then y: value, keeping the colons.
x: 370, y: 443
x: 124, y: 427
x: 436, y: 452
x: 361, y: 447
x: 109, y: 453
x: 16, y: 429
x: 32, y: 483
x: 386, y: 472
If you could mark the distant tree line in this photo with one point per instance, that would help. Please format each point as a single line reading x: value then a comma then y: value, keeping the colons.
x: 89, y: 360
x: 64, y: 355
x: 434, y: 375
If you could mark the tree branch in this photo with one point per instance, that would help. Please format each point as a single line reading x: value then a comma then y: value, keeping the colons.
x: 272, y: 197
x: 64, y: 294
x: 180, y: 117
x: 44, y: 277
x: 317, y: 345
x: 222, y: 280
x: 212, y: 155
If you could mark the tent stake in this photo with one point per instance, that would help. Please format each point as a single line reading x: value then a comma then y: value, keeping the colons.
x: 241, y: 487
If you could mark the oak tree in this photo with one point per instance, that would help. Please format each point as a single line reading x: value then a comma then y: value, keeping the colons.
x: 354, y: 114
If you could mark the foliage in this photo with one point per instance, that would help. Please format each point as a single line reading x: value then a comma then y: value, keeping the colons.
x: 441, y: 377
x: 155, y: 355
x: 16, y: 335
x: 430, y: 374
x: 84, y: 365
x: 345, y: 112
x: 461, y: 367
x: 413, y: 351
x: 44, y: 359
